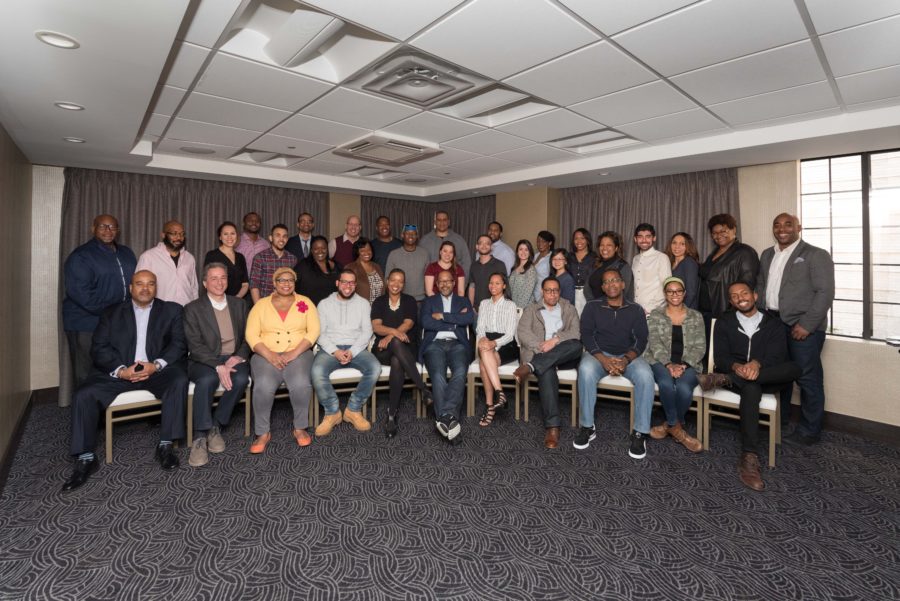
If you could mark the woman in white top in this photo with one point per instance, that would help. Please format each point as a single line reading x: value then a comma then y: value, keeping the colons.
x: 495, y: 340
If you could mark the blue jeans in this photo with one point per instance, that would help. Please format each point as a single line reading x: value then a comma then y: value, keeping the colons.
x: 590, y: 372
x: 448, y: 396
x: 676, y: 395
x: 325, y: 363
x: 807, y: 354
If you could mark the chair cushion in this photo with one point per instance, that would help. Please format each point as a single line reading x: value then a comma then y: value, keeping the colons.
x: 721, y: 396
x: 616, y: 382
x: 345, y: 373
x: 133, y: 396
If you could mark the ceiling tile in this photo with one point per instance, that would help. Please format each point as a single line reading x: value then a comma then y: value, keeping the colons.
x: 421, y: 166
x: 487, y: 142
x: 186, y: 65
x: 239, y: 79
x: 210, y: 20
x: 208, y: 151
x: 305, y: 127
x: 590, y: 72
x: 222, y: 111
x: 643, y: 102
x: 767, y: 71
x: 355, y: 108
x: 713, y: 31
x: 433, y: 128
x: 670, y: 126
x: 783, y: 103
x: 486, y: 165
x: 871, y: 85
x: 195, y: 131
x: 501, y: 37
x: 552, y: 125
x: 828, y: 15
x: 862, y: 48
x: 156, y: 125
x: 168, y: 100
x: 613, y: 16
x: 397, y: 18
x: 535, y: 155
x: 290, y: 146
x: 449, y: 156
x: 319, y: 166
x: 452, y: 172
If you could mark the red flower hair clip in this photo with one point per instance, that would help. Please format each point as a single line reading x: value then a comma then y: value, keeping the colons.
x: 302, y: 307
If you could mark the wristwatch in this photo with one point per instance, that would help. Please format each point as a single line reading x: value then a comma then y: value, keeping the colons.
x: 158, y: 365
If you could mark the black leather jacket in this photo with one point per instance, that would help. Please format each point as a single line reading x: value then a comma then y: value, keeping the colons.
x: 740, y: 262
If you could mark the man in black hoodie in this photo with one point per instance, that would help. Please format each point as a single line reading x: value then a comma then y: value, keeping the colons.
x: 751, y: 357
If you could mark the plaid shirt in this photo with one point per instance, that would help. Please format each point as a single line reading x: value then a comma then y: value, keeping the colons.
x: 265, y: 264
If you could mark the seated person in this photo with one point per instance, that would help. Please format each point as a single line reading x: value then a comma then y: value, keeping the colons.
x: 751, y: 357
x: 346, y: 332
x: 614, y: 334
x: 549, y: 334
x: 446, y: 318
x: 495, y: 341
x: 138, y: 345
x: 214, y: 327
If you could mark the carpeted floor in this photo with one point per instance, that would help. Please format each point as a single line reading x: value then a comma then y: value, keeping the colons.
x: 356, y: 516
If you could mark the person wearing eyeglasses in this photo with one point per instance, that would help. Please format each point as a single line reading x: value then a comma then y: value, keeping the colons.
x: 175, y: 268
x: 675, y: 349
x: 97, y: 276
x: 346, y: 330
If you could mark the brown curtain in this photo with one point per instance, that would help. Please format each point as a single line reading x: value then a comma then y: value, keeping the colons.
x: 671, y: 203
x: 143, y: 203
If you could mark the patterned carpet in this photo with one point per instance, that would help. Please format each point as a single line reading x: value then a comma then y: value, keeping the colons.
x: 356, y: 516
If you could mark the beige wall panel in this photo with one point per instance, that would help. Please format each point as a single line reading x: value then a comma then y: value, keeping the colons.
x: 764, y: 192
x: 341, y: 206
x: 524, y: 213
x: 46, y: 214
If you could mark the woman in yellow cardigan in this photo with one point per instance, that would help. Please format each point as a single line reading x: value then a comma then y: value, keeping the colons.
x: 282, y: 329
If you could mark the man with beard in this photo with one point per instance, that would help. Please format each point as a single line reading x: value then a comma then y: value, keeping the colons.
x: 251, y: 242
x: 175, y: 269
x: 268, y: 262
x: 413, y: 260
x: 299, y: 245
x: 384, y: 242
x: 442, y: 233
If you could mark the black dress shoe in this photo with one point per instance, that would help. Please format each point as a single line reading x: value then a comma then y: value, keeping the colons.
x: 166, y: 457
x: 83, y: 470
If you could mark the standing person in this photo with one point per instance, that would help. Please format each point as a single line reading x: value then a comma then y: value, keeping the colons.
x: 412, y: 260
x: 650, y: 268
x: 685, y: 263
x: 559, y: 268
x: 234, y: 262
x: 97, y: 276
x: 173, y: 266
x: 433, y: 240
x: 214, y: 326
x: 581, y: 264
x: 346, y: 330
x: 299, y: 244
x: 267, y: 262
x: 496, y: 343
x: 251, y: 242
x: 446, y: 262
x: 796, y: 284
x: 384, y: 242
x: 675, y: 349
x: 729, y: 262
x: 446, y: 318
x: 341, y: 248
x: 609, y: 256
x: 369, y: 276
x: 481, y: 271
x: 317, y: 273
x: 394, y: 317
x: 750, y: 357
x: 282, y: 329
x: 500, y: 249
x: 614, y: 334
x: 523, y: 277
x: 544, y: 243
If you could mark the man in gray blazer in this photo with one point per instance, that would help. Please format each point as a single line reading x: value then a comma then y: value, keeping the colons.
x: 796, y: 283
x: 214, y: 327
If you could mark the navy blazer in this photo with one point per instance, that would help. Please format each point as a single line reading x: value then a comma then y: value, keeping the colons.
x: 115, y: 339
x: 456, y: 321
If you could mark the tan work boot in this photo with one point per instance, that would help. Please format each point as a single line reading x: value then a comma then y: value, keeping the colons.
x: 748, y: 469
x: 356, y: 418
x: 328, y: 423
x: 659, y: 432
x: 687, y: 441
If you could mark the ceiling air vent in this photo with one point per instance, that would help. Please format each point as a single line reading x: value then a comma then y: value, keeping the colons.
x: 388, y: 150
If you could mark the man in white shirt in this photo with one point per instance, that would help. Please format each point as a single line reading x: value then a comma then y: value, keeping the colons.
x: 500, y: 249
x: 650, y: 269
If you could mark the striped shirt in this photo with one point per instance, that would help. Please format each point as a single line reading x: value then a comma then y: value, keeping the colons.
x: 500, y: 317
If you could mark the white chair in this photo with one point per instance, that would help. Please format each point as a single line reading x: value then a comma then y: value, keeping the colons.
x: 219, y: 391
x: 128, y: 406
x: 507, y: 379
x: 568, y: 384
x: 383, y: 385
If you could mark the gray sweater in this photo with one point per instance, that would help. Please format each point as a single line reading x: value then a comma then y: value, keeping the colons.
x: 344, y: 322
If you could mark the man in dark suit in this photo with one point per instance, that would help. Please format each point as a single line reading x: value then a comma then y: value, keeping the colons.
x: 796, y: 284
x: 138, y: 345
x: 446, y: 318
x: 214, y: 327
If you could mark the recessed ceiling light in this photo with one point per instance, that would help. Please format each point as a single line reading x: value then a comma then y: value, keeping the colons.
x: 292, y: 147
x: 530, y: 183
x: 74, y: 140
x: 196, y: 150
x: 476, y: 191
x: 603, y: 173
x: 56, y: 39
x: 69, y: 106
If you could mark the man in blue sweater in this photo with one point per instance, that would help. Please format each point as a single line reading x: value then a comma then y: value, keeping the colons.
x: 97, y: 276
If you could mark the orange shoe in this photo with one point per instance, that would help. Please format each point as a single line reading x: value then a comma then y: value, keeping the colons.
x: 259, y: 445
x: 302, y: 437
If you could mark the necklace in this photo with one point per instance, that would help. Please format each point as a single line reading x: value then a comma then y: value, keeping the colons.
x: 391, y: 304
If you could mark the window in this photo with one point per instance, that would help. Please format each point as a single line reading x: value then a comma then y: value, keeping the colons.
x: 850, y: 206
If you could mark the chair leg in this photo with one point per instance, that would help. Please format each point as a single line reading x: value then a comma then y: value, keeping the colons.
x: 470, y: 394
x: 109, y: 426
x: 574, y: 411
x: 190, y: 420
x: 527, y: 397
x: 518, y: 397
x: 374, y: 408
x: 705, y: 426
x: 631, y: 411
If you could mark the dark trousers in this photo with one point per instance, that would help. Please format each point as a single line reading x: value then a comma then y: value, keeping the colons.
x: 402, y: 359
x: 771, y: 379
x: 80, y: 354
x: 807, y: 354
x: 564, y: 355
x: 441, y: 354
x: 206, y: 382
x: 99, y: 390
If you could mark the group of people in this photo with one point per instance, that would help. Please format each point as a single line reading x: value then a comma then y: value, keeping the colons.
x: 291, y: 310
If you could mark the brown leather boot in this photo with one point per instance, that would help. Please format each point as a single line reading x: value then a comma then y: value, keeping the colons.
x: 710, y: 381
x: 551, y: 440
x: 659, y: 432
x: 748, y: 469
x: 686, y: 440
